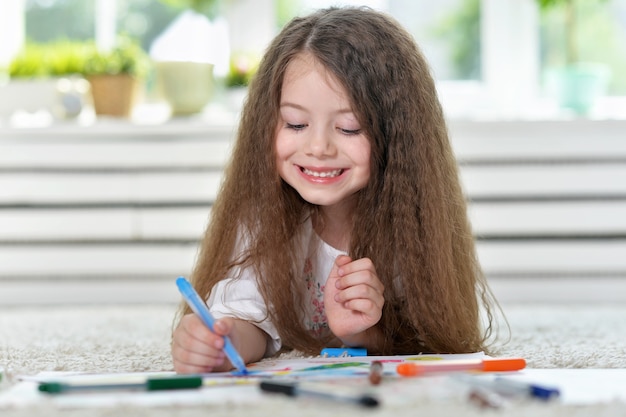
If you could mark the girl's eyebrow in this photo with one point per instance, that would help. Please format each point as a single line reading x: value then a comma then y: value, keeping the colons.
x: 289, y: 104
x: 300, y: 107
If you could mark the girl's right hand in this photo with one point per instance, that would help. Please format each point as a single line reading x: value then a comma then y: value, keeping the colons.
x: 196, y: 349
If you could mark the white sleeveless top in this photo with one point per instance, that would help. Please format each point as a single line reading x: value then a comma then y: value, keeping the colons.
x: 240, y: 298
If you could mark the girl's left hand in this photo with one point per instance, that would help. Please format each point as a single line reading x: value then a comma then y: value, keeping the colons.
x: 353, y: 299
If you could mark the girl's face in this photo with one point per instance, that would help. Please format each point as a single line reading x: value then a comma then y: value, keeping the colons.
x: 321, y: 150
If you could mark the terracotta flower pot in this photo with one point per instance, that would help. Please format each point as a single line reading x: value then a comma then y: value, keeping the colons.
x: 113, y: 95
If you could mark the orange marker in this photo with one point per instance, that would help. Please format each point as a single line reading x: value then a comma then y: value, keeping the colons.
x: 481, y: 365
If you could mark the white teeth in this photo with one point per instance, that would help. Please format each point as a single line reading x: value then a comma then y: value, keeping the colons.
x: 324, y: 174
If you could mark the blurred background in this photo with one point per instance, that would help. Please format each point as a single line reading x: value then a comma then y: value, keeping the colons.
x: 502, y: 57
x: 117, y: 118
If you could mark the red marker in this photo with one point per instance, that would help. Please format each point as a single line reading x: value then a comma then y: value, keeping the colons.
x: 481, y: 365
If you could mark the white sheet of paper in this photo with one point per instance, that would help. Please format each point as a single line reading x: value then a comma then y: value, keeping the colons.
x: 577, y: 386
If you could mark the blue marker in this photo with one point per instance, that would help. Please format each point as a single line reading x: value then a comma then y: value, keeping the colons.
x: 510, y: 387
x: 343, y: 352
x: 200, y: 308
x: 506, y: 385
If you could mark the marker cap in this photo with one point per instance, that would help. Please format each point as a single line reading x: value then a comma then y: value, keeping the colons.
x: 172, y: 383
x: 544, y: 393
x: 503, y: 364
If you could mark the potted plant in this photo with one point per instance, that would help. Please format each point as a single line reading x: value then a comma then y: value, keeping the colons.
x: 46, y: 77
x: 242, y: 67
x: 115, y: 76
x: 576, y: 83
x: 208, y: 8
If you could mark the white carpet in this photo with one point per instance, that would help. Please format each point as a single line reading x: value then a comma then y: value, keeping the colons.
x: 136, y: 338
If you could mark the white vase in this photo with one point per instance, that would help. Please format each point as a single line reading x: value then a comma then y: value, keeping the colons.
x: 186, y: 86
x: 60, y: 98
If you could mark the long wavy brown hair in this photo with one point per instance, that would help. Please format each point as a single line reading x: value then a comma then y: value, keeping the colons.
x: 410, y: 219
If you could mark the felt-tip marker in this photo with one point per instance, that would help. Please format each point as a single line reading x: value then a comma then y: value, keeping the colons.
x: 294, y: 389
x: 343, y: 352
x: 200, y: 308
x: 150, y: 384
x: 481, y: 365
x: 376, y: 372
x: 510, y: 387
x: 507, y: 386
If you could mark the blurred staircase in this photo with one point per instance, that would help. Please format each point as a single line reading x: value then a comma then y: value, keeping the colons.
x: 112, y: 213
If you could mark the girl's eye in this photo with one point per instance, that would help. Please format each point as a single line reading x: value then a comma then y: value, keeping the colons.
x: 296, y: 126
x: 350, y: 131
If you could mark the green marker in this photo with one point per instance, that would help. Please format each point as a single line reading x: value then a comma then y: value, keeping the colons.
x: 151, y: 384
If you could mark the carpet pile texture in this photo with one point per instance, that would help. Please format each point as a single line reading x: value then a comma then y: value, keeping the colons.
x: 130, y: 338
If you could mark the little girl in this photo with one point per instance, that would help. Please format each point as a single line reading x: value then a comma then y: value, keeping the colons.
x: 341, y: 220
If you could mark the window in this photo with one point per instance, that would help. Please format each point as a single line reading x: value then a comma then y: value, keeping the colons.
x: 448, y: 31
x: 140, y: 19
x: 598, y: 35
x: 488, y: 56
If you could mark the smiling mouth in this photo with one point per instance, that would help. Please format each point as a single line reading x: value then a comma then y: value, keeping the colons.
x: 323, y: 174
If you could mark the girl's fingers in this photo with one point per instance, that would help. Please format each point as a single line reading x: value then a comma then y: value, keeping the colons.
x: 364, y: 306
x: 361, y: 271
x: 195, y: 348
x: 363, y: 264
x: 188, y: 359
x: 371, y: 298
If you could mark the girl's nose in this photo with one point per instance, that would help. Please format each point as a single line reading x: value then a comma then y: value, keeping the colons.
x: 320, y: 144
